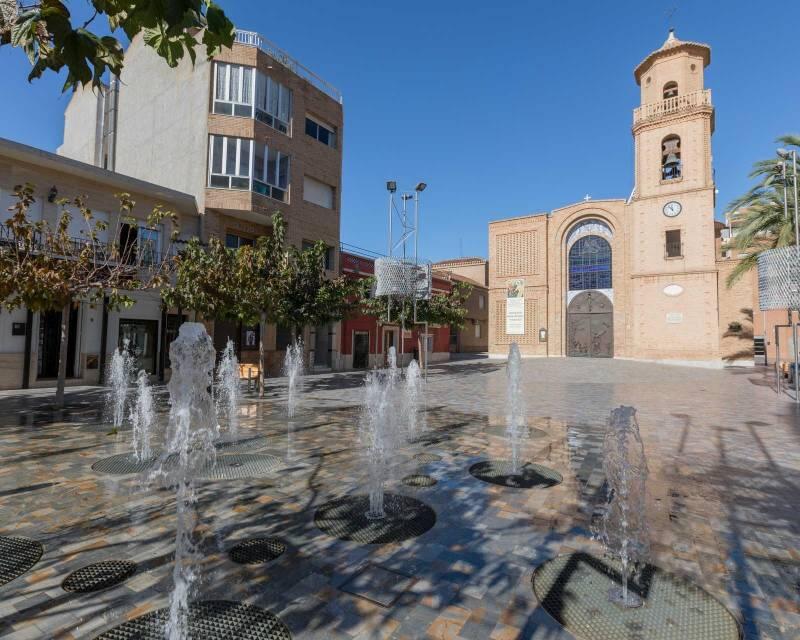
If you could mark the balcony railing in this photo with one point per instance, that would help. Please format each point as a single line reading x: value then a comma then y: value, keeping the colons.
x: 673, y: 250
x: 143, y: 254
x: 670, y: 106
x: 254, y: 39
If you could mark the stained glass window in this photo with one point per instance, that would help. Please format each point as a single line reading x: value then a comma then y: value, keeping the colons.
x: 590, y: 264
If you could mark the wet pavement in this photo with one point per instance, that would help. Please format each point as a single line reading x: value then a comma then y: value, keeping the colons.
x: 723, y: 504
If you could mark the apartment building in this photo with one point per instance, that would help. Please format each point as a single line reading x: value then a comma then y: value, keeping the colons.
x: 30, y: 342
x: 251, y: 132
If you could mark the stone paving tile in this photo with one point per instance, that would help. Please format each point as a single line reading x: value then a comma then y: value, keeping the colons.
x: 723, y: 504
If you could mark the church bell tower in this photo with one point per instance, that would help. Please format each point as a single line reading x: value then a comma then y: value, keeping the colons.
x: 671, y: 214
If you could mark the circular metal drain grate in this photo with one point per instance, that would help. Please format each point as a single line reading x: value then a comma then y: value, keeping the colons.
x: 224, y: 467
x: 241, y: 444
x: 346, y: 518
x: 242, y: 465
x: 104, y: 427
x: 100, y: 575
x: 419, y: 480
x: 207, y: 620
x: 427, y: 457
x: 17, y: 555
x: 257, y: 550
x: 530, y: 476
x: 574, y: 590
x: 123, y: 463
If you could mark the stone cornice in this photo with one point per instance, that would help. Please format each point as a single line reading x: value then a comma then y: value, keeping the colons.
x: 674, y: 118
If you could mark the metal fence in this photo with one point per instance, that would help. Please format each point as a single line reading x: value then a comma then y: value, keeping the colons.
x: 254, y: 39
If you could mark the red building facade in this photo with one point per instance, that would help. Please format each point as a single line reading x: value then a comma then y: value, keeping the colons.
x: 365, y: 340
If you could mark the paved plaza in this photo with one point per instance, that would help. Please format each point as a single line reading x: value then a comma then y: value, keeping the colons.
x: 723, y: 504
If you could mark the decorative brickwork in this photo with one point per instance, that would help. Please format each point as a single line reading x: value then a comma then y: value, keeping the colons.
x: 516, y: 253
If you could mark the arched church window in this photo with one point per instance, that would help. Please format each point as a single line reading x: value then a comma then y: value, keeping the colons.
x: 670, y: 158
x: 590, y: 264
x: 671, y: 90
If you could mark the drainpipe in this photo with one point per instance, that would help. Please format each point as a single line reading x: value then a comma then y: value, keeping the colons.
x: 26, y: 364
x: 547, y: 282
x: 101, y: 378
x: 162, y: 351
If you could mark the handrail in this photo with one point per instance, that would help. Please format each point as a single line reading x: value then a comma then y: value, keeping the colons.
x: 676, y: 104
x: 255, y: 39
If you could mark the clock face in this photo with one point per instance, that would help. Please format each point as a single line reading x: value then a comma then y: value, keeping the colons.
x: 672, y: 209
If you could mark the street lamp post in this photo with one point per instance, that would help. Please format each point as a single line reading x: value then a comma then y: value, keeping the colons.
x: 785, y: 155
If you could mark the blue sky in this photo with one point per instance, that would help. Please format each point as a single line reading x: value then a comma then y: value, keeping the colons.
x: 501, y: 110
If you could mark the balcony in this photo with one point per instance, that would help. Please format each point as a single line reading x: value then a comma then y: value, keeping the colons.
x: 697, y: 100
x: 254, y: 39
x: 141, y: 253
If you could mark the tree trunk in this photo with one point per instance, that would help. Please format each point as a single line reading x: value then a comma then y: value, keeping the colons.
x: 62, y: 356
x: 262, y: 354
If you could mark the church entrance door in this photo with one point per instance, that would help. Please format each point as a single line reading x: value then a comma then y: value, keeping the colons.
x: 590, y: 326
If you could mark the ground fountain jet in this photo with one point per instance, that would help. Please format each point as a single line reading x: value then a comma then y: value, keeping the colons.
x: 515, y: 407
x: 624, y: 527
x: 413, y: 398
x: 229, y: 394
x: 191, y: 434
x: 143, y: 417
x: 293, y: 369
x: 120, y: 373
x: 378, y: 430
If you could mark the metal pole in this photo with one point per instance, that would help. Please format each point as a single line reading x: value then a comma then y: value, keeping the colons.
x: 777, y: 361
x: 796, y: 373
x: 797, y: 251
x: 425, y: 348
x: 389, y: 247
x: 416, y: 247
x: 796, y: 214
x: 389, y: 254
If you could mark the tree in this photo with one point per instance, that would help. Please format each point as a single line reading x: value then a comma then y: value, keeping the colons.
x: 262, y: 283
x: 44, y: 269
x: 262, y: 269
x: 205, y: 281
x: 305, y: 297
x: 441, y: 308
x: 46, y: 33
x: 759, y: 215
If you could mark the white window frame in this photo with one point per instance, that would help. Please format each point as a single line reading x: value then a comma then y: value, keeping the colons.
x: 266, y: 116
x: 227, y: 99
x: 478, y: 329
x: 229, y: 174
x: 481, y: 303
x: 264, y: 178
x: 333, y: 134
x: 234, y: 173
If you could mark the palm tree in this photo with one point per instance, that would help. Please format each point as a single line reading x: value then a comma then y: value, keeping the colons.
x: 760, y: 214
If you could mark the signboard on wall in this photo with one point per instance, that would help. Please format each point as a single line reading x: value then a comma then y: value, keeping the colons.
x: 515, y: 307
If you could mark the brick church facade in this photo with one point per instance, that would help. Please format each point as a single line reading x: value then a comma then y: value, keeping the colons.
x: 641, y: 277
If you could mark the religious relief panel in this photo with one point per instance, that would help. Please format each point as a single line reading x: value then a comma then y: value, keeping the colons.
x: 590, y: 326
